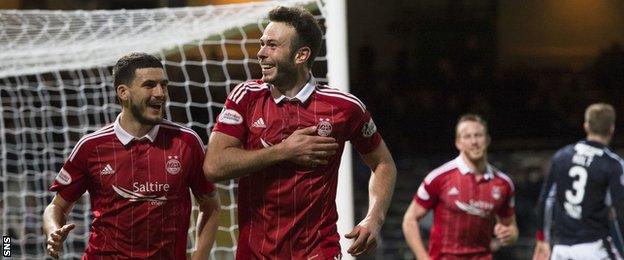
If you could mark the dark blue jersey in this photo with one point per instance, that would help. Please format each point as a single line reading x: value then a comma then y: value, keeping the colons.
x: 584, y: 181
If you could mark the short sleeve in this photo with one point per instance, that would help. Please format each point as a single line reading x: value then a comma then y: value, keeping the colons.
x: 507, y: 209
x: 71, y: 181
x: 197, y: 181
x: 364, y: 136
x: 231, y: 120
x: 616, y: 183
x: 427, y: 195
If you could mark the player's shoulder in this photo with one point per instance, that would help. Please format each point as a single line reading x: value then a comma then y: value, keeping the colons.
x: 441, y: 172
x: 338, y: 97
x: 248, y: 89
x: 564, y: 152
x: 502, y: 177
x: 92, y: 140
x: 186, y: 134
x: 614, y: 158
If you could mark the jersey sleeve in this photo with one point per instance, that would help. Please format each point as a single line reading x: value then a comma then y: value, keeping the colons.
x: 508, y: 207
x: 197, y: 181
x: 428, y: 193
x: 616, y: 193
x: 364, y: 135
x: 71, y: 181
x: 545, y: 204
x: 231, y: 120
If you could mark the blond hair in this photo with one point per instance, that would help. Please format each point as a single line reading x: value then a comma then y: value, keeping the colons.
x: 471, y: 117
x: 600, y: 117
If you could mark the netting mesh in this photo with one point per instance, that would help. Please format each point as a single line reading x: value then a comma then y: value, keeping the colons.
x: 56, y: 86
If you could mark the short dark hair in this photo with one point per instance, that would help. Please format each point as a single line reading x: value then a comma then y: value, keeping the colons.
x: 473, y: 118
x: 308, y: 30
x: 600, y: 117
x: 123, y: 71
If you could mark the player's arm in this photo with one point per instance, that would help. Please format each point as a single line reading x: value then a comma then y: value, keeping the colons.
x: 54, y: 224
x: 380, y: 189
x: 616, y: 211
x: 506, y: 230
x: 206, y: 224
x: 544, y: 211
x: 227, y: 159
x: 411, y: 230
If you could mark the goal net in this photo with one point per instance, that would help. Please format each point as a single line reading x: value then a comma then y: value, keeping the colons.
x: 56, y: 86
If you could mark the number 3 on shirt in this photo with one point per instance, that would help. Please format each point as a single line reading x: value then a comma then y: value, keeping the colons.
x: 574, y: 198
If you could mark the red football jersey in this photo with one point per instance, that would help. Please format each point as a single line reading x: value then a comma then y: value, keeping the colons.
x: 287, y: 211
x: 464, y: 209
x: 139, y: 189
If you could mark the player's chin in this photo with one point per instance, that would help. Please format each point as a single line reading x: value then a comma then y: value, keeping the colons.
x: 476, y: 156
x: 268, y: 78
x: 154, y: 118
x: 269, y: 75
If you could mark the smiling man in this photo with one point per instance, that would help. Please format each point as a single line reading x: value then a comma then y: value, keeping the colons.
x: 284, y: 136
x: 470, y: 199
x: 138, y: 172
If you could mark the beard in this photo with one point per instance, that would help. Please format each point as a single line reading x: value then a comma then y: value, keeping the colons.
x: 137, y: 112
x: 286, y: 72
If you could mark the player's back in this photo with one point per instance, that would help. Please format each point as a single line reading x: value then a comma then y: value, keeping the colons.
x: 581, y: 176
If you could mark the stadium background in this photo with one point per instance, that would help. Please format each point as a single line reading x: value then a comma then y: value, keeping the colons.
x: 530, y: 67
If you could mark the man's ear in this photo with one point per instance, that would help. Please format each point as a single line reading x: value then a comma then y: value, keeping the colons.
x: 123, y: 93
x: 586, y: 127
x: 303, y: 55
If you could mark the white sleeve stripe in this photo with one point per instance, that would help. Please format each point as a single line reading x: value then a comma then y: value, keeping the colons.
x: 237, y: 90
x: 422, y: 192
x: 548, y: 211
x: 337, y: 91
x: 346, y: 95
x: 506, y: 178
x: 240, y: 92
x: 617, y: 158
x: 186, y: 130
x: 439, y: 171
x: 343, y: 97
x: 87, y: 138
x: 238, y: 99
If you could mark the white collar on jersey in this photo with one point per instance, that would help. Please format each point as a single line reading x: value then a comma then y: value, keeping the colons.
x: 464, y: 169
x: 303, y: 94
x: 126, y: 137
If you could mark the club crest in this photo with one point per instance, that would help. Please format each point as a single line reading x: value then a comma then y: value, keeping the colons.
x: 324, y: 127
x: 496, y: 193
x: 173, y: 166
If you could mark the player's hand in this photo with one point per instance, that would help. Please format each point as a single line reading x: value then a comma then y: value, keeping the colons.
x: 365, y: 237
x: 304, y: 147
x: 56, y: 239
x: 542, y: 251
x: 505, y: 234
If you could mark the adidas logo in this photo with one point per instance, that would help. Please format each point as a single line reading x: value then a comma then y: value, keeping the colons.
x: 259, y: 123
x: 453, y: 191
x: 107, y: 170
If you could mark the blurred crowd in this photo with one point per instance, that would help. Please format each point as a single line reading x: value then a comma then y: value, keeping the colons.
x: 423, y: 97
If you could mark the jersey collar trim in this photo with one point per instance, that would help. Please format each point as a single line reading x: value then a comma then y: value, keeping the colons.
x: 126, y: 137
x: 303, y: 94
x: 464, y: 169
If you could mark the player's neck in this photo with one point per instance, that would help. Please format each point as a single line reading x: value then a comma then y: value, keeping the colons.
x: 132, y: 126
x: 478, y: 167
x: 599, y: 138
x: 292, y: 88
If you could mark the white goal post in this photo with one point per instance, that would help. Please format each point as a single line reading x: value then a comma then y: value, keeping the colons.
x: 56, y: 86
